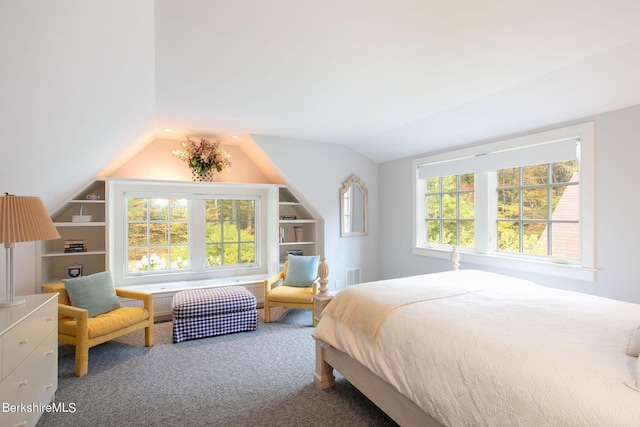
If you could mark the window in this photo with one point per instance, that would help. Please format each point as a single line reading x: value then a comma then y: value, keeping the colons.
x: 230, y: 232
x: 511, y: 203
x: 450, y: 208
x: 157, y: 234
x: 538, y: 210
x: 164, y: 232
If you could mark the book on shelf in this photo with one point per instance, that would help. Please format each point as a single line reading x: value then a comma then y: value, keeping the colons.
x: 72, y: 246
x: 73, y: 242
x: 74, y: 250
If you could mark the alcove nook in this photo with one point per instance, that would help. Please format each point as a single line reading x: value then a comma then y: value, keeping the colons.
x: 153, y: 168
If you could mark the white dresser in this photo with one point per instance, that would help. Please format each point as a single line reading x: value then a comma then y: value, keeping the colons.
x: 29, y: 364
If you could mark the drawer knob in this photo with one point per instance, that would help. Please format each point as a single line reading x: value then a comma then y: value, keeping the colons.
x: 22, y: 424
x: 50, y: 319
x: 48, y: 386
x: 23, y: 383
x: 24, y: 341
x: 50, y: 353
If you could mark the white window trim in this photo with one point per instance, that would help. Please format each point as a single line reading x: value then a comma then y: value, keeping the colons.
x: 266, y: 239
x: 586, y: 270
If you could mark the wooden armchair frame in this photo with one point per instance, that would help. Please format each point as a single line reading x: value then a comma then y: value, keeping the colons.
x: 319, y: 286
x: 269, y: 285
x: 81, y: 340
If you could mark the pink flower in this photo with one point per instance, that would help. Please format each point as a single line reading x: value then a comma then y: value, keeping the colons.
x: 204, y: 155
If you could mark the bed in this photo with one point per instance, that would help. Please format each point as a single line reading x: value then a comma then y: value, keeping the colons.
x: 468, y: 347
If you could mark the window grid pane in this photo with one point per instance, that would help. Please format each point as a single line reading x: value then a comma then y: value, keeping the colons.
x: 230, y: 229
x: 157, y: 232
x: 450, y: 210
x: 540, y: 214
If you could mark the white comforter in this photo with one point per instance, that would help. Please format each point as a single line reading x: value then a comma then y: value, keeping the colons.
x: 513, y: 353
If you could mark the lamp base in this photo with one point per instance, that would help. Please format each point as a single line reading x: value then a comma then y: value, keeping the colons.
x: 4, y: 304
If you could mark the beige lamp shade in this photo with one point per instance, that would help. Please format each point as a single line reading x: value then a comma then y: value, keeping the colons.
x: 24, y: 219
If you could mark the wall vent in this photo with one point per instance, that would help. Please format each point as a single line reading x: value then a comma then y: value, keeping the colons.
x: 353, y: 276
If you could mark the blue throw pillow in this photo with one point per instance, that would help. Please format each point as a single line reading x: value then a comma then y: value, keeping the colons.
x: 94, y: 293
x: 302, y: 271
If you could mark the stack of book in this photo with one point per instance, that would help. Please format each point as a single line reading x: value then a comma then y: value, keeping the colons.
x: 71, y: 246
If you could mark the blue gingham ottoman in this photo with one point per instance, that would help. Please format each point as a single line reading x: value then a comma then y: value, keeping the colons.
x: 201, y: 313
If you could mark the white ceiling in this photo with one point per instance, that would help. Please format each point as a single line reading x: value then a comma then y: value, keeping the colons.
x: 391, y: 78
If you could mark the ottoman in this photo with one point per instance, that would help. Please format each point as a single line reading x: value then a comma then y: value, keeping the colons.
x: 201, y: 313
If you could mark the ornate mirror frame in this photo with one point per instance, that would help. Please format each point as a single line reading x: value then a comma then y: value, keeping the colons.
x: 354, y: 201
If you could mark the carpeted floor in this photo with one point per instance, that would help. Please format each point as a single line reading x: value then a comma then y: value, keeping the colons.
x: 258, y: 378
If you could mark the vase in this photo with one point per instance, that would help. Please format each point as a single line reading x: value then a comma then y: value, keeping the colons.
x: 206, y: 176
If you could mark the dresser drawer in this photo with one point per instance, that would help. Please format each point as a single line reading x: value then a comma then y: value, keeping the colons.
x: 24, y: 337
x: 20, y: 419
x: 33, y: 383
x: 46, y: 368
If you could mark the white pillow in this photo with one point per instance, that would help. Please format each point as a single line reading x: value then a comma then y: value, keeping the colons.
x: 633, y: 349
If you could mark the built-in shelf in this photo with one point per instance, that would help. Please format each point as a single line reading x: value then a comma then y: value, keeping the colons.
x: 297, y: 216
x: 53, y: 260
x: 80, y: 224
x: 89, y: 252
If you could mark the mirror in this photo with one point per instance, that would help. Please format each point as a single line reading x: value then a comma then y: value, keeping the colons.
x: 353, y: 208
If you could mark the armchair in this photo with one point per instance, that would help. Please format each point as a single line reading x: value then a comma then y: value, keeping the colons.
x: 280, y: 292
x: 76, y: 328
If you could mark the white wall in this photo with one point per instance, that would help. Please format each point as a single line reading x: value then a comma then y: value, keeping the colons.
x: 77, y: 85
x: 155, y: 161
x: 317, y: 171
x: 617, y: 203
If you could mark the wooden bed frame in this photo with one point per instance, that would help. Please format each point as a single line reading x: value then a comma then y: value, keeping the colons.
x: 381, y: 393
x: 385, y: 396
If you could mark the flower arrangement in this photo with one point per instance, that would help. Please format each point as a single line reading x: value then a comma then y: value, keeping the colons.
x: 203, y: 155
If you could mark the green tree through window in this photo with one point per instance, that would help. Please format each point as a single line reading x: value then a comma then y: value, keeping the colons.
x: 158, y: 236
x: 230, y: 232
x: 534, y: 216
x: 537, y: 210
x: 450, y: 210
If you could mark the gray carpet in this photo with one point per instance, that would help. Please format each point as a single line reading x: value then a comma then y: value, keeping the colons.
x: 259, y: 378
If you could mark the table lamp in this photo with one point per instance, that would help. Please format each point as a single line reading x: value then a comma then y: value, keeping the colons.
x: 22, y: 219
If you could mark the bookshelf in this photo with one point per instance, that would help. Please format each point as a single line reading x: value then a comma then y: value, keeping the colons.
x: 294, y: 215
x: 78, y: 219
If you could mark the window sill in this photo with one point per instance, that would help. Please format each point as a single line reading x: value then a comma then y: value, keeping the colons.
x: 568, y: 271
x: 175, y: 286
x: 219, y: 275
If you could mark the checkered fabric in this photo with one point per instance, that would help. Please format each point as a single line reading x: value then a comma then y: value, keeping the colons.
x: 212, y: 301
x: 201, y: 313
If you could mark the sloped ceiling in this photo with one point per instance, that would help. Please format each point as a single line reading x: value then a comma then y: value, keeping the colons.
x: 76, y: 90
x: 83, y: 85
x: 391, y: 78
